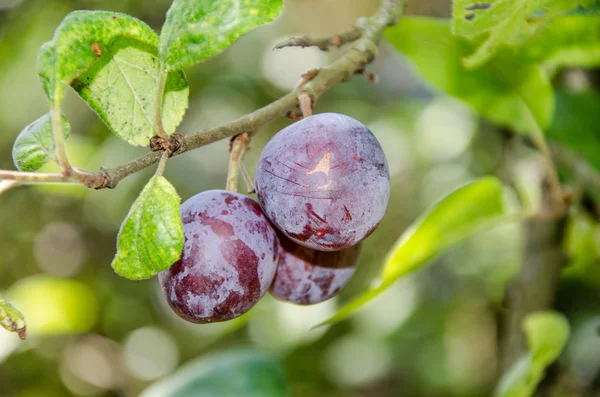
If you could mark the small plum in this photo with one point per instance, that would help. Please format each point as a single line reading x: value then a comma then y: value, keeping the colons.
x: 324, y: 182
x: 228, y: 261
x: 306, y: 276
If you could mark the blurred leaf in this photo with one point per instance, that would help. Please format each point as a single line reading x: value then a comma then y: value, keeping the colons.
x: 198, y: 30
x: 581, y: 247
x: 151, y: 236
x: 576, y: 122
x: 454, y: 218
x: 503, y: 90
x: 120, y: 87
x: 572, y: 40
x: 11, y: 319
x: 505, y: 22
x: 77, y: 40
x: 547, y: 333
x: 236, y: 373
x: 55, y: 306
x: 34, y: 146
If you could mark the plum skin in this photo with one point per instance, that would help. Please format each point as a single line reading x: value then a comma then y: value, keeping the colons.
x: 324, y: 181
x: 306, y: 276
x: 228, y: 260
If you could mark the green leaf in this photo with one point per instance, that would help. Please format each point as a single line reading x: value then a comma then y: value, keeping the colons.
x: 55, y: 306
x: 235, y: 373
x: 547, y: 333
x: 151, y: 236
x: 34, y: 146
x: 576, y: 122
x: 569, y: 41
x: 453, y: 219
x: 196, y: 30
x: 77, y: 41
x: 12, y: 320
x: 503, y: 22
x: 120, y: 87
x: 506, y: 90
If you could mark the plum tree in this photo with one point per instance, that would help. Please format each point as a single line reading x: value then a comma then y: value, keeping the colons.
x: 228, y: 261
x: 306, y: 276
x: 324, y: 181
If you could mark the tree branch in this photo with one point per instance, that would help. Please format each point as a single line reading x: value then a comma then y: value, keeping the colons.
x: 362, y: 52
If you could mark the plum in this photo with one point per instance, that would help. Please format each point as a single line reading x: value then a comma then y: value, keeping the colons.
x: 306, y: 276
x: 228, y: 261
x: 324, y: 181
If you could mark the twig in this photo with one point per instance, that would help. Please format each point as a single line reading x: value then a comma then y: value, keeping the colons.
x: 238, y: 148
x: 324, y: 43
x: 362, y: 52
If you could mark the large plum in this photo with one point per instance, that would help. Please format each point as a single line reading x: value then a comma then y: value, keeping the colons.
x: 306, y: 276
x: 229, y: 258
x: 324, y: 181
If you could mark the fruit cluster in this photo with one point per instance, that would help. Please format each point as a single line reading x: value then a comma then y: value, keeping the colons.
x: 323, y: 187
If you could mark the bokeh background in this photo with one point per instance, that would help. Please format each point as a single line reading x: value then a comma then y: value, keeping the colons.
x: 434, y: 333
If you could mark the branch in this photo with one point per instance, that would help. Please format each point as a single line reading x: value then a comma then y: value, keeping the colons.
x: 361, y: 53
x: 324, y: 43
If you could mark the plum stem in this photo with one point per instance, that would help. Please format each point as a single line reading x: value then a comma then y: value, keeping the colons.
x: 162, y: 164
x: 305, y: 102
x: 238, y: 147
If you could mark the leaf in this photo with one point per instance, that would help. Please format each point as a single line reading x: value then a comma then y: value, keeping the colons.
x: 576, y: 122
x: 453, y: 219
x: 77, y: 41
x: 12, y: 320
x: 505, y: 90
x: 245, y: 373
x: 120, y: 87
x: 572, y: 40
x: 504, y: 22
x: 34, y: 146
x: 151, y: 236
x: 547, y: 333
x: 55, y: 306
x: 196, y: 30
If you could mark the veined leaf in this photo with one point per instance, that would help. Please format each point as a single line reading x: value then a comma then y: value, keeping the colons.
x: 547, y: 333
x: 572, y: 40
x: 151, y: 236
x: 11, y: 319
x: 504, y: 22
x: 78, y: 40
x: 456, y: 217
x: 34, y: 146
x: 196, y: 30
x: 120, y: 87
x: 111, y: 61
x: 506, y: 90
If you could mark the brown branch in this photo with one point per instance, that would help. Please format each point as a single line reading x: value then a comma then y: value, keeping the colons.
x: 323, y: 43
x: 361, y: 53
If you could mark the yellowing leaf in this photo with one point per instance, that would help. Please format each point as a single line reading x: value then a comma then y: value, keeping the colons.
x: 11, y: 319
x: 454, y: 218
x: 151, y: 236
